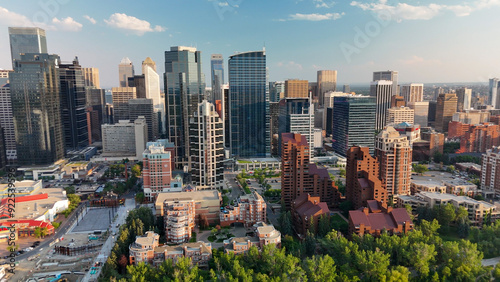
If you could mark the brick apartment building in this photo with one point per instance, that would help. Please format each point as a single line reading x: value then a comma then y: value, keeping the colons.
x: 307, y: 209
x: 248, y: 210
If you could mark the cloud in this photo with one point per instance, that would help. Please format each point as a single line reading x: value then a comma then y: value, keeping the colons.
x: 67, y: 24
x: 9, y: 18
x: 290, y: 65
x: 91, y: 20
x: 132, y: 24
x: 403, y: 11
x: 314, y: 17
x: 323, y: 3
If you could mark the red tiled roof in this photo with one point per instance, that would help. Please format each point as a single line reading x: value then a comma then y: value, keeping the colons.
x: 379, y: 221
x: 309, y: 208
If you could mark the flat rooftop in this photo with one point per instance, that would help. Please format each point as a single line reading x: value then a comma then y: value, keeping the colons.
x: 27, y: 210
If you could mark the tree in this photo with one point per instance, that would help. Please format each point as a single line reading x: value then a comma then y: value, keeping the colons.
x: 342, y: 172
x: 324, y: 225
x: 136, y: 170
x: 419, y: 168
x: 422, y: 256
x: 139, y: 198
x: 310, y: 243
x: 286, y: 223
x: 38, y: 232
x: 70, y: 190
x: 320, y: 268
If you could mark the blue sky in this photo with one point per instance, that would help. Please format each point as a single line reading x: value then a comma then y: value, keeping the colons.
x: 426, y: 41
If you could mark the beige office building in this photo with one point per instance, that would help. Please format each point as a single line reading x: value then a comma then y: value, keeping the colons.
x: 125, y: 138
x: 295, y: 88
x: 445, y: 108
x: 327, y: 81
x: 472, y: 117
x: 402, y: 114
x: 91, y: 77
x: 413, y: 92
x: 121, y: 96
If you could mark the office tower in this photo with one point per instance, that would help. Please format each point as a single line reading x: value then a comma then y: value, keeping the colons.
x: 347, y: 88
x: 464, y: 97
x: 493, y: 99
x: 445, y: 108
x: 431, y: 117
x: 206, y: 147
x: 91, y: 76
x: 327, y: 115
x: 472, y: 116
x: 249, y: 104
x: 363, y: 178
x: 217, y: 68
x: 4, y: 77
x: 490, y: 173
x: 399, y: 115
x: 276, y: 91
x: 382, y: 91
x: 413, y: 92
x: 144, y: 107
x: 125, y: 138
x: 296, y: 116
x: 274, y: 113
x: 139, y: 83
x: 299, y: 177
x: 397, y: 101
x: 184, y: 89
x: 24, y: 40
x: 394, y: 155
x: 327, y: 81
x: 388, y: 76
x: 35, y: 96
x: 3, y: 154
x: 295, y: 88
x: 73, y: 102
x: 156, y: 170
x: 227, y: 112
x: 125, y: 70
x: 421, y: 111
x: 437, y: 91
x: 354, y: 123
x: 152, y: 89
x: 96, y: 113
x: 121, y: 96
x: 7, y: 123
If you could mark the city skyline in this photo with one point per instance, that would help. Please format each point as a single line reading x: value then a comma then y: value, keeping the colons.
x: 330, y: 36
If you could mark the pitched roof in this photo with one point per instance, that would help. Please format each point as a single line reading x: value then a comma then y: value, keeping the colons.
x: 379, y: 221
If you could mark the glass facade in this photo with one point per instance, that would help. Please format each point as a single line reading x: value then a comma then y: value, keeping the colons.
x: 184, y: 88
x: 25, y: 40
x: 249, y: 104
x: 354, y: 123
x: 296, y: 115
x: 217, y: 67
x: 36, y: 108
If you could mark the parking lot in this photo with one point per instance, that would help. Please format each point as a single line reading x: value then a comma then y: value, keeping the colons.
x: 96, y: 219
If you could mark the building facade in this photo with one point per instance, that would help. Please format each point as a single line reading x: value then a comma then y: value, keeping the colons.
x: 91, y: 77
x: 249, y: 210
x: 421, y: 112
x: 295, y: 88
x: 125, y: 138
x: 445, y: 108
x: 306, y: 212
x: 121, y: 97
x: 152, y: 91
x: 388, y: 76
x: 399, y: 115
x: 490, y: 172
x: 382, y: 91
x: 145, y: 107
x: 179, y: 220
x: 464, y: 96
x: 297, y: 115
x: 25, y: 40
x: 7, y: 123
x: 326, y: 82
x: 217, y: 71
x: 125, y: 71
x: 157, y: 171
x: 413, y: 92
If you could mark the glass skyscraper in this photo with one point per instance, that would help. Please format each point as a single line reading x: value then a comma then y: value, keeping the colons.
x: 184, y: 89
x: 35, y: 95
x: 217, y: 68
x: 25, y: 40
x: 249, y: 105
x: 354, y: 124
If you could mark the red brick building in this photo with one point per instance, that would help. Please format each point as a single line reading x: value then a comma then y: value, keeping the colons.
x: 249, y: 210
x: 480, y: 138
x: 362, y: 178
x: 457, y: 129
x: 306, y: 210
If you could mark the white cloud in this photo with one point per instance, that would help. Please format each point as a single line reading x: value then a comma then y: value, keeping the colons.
x: 323, y: 3
x: 290, y: 65
x: 315, y: 17
x: 132, y: 24
x: 403, y: 11
x: 223, y: 4
x: 9, y: 18
x: 90, y: 19
x: 67, y: 24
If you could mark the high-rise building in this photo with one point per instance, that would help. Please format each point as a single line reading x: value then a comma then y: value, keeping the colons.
x: 3, y: 154
x: 431, y: 116
x: 206, y: 137
x: 91, y: 76
x: 121, y: 96
x: 179, y: 220
x: 7, y: 123
x: 382, y: 91
x: 490, y: 172
x: 274, y: 113
x: 184, y: 88
x: 144, y: 107
x: 472, y: 116
x: 24, y: 40
x: 156, y: 170
x: 437, y: 91
x: 354, y: 123
x: 347, y: 88
x: 96, y: 113
x: 73, y: 103
x: 296, y: 115
x: 397, y: 101
x: 35, y: 96
x: 363, y: 178
x: 217, y: 68
x: 390, y: 76
x: 493, y: 98
x: 295, y: 88
x: 276, y: 91
x: 326, y: 82
x: 328, y: 103
x: 421, y: 111
x: 413, y: 92
x: 125, y: 138
x: 227, y: 112
x: 399, y: 115
x: 152, y: 91
x: 299, y: 177
x: 125, y: 71
x: 249, y: 105
x: 479, y: 138
x: 464, y: 97
x: 445, y: 108
x: 394, y: 154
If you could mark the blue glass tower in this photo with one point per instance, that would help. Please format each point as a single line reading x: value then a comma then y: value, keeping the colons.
x: 249, y: 105
x: 217, y: 68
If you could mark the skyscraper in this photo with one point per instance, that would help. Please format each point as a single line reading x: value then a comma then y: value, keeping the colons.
x: 184, y: 88
x: 413, y: 92
x: 464, y: 96
x: 3, y: 155
x: 35, y: 94
x: 152, y: 89
x: 493, y: 98
x: 121, y: 96
x: 382, y: 91
x: 388, y: 75
x: 249, y: 105
x: 157, y: 171
x: 25, y: 40
x: 125, y: 70
x: 96, y: 112
x: 206, y: 134
x: 326, y: 81
x: 421, y: 112
x: 395, y: 156
x: 490, y: 175
x: 73, y: 102
x: 445, y: 108
x: 276, y: 91
x: 91, y: 77
x: 144, y: 107
x: 400, y: 114
x: 296, y: 115
x: 7, y: 123
x: 354, y: 123
x: 217, y: 67
x: 295, y: 88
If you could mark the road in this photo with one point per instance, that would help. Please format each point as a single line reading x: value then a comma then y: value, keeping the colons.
x: 232, y: 184
x: 490, y: 262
